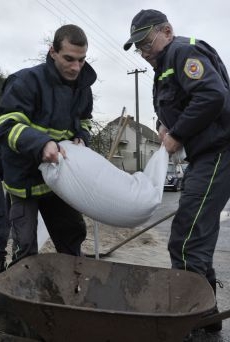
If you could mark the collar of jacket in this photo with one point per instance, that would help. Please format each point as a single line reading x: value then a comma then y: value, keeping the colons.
x: 86, y: 77
x: 161, y: 55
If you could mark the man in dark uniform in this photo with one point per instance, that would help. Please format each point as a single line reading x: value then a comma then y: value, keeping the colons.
x: 192, y: 101
x: 39, y: 107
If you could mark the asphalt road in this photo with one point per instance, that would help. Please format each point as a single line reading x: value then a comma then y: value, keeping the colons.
x: 157, y: 255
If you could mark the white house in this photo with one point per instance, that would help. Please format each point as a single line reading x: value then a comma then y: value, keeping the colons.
x: 125, y: 153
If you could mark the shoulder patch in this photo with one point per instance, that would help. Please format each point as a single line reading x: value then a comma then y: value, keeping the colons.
x: 194, y: 68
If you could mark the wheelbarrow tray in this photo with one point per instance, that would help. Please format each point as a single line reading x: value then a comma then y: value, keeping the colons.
x: 57, y: 297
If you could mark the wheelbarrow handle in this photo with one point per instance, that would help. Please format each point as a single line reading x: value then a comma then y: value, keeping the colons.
x: 210, y: 319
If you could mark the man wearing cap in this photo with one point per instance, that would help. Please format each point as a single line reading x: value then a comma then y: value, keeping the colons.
x: 192, y: 101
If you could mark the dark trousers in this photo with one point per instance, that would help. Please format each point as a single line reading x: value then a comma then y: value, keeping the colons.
x: 196, y: 225
x: 65, y: 225
x: 4, y: 222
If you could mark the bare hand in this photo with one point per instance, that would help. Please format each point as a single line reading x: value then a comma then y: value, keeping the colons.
x: 50, y: 152
x: 171, y: 144
x: 79, y: 141
x: 161, y: 132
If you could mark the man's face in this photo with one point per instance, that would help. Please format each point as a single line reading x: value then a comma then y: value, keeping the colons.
x: 152, y: 45
x: 69, y: 60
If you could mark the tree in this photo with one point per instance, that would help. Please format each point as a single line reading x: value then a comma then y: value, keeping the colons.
x: 101, y: 138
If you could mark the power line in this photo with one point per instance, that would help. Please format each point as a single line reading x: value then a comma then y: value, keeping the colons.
x: 111, y: 40
x: 99, y: 46
x: 63, y: 11
x: 92, y: 42
x: 115, y: 46
x: 48, y: 9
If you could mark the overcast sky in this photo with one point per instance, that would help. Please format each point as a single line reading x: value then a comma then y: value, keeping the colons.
x: 25, y: 24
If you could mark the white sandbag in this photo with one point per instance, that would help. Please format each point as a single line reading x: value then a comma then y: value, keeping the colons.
x: 95, y: 187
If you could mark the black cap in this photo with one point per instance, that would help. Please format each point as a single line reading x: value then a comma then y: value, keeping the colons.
x: 142, y: 24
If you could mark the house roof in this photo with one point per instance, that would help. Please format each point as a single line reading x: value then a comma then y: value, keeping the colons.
x: 145, y: 131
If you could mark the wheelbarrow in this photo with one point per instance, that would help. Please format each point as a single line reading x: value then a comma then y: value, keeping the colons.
x: 57, y: 297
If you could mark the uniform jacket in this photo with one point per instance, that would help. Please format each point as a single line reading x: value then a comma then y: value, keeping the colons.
x: 192, y: 96
x: 36, y: 107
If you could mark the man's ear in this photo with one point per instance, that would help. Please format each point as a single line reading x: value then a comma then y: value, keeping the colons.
x: 167, y: 30
x: 52, y: 51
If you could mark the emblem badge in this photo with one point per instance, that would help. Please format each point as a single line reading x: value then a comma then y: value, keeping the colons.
x: 194, y: 68
x: 133, y: 28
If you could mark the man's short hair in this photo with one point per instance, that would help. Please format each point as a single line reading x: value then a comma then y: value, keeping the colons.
x: 73, y: 33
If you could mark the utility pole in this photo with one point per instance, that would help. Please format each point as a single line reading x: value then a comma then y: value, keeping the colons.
x: 136, y: 72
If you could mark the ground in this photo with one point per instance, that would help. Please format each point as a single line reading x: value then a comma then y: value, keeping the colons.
x: 108, y: 237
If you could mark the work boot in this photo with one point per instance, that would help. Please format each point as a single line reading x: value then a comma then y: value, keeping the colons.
x: 217, y: 326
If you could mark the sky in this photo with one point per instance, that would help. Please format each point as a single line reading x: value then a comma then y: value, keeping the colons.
x: 25, y: 26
